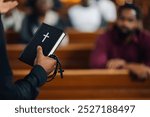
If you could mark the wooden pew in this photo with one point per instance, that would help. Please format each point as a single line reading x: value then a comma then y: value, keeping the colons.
x: 74, y: 37
x: 84, y: 38
x: 73, y: 56
x: 92, y: 84
x: 12, y: 37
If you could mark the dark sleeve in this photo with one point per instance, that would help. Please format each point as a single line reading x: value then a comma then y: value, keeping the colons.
x: 26, y: 88
x: 99, y: 56
x: 4, y: 64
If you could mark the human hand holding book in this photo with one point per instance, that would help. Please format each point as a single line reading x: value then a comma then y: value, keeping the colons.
x: 46, y: 62
x: 49, y: 39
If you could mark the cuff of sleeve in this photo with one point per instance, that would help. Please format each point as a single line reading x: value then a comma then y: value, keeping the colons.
x: 38, y: 76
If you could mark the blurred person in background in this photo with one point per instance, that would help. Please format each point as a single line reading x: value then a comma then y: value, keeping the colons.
x: 145, y: 9
x: 89, y: 15
x: 57, y: 5
x: 42, y: 12
x: 13, y: 19
x: 85, y: 17
x: 108, y: 11
x: 125, y: 46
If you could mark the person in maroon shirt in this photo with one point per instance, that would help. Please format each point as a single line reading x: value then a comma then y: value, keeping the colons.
x: 126, y: 45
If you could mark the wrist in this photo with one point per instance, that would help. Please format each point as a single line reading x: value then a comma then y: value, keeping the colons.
x: 40, y: 74
x: 43, y: 67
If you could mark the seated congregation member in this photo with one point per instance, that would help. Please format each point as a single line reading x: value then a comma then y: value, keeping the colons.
x: 26, y: 88
x: 42, y: 12
x: 108, y: 11
x: 85, y: 17
x: 125, y: 46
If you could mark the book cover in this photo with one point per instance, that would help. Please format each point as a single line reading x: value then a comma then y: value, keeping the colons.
x: 48, y: 37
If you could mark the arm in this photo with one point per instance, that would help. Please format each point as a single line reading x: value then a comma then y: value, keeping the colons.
x: 26, y: 88
x: 142, y: 70
x: 23, y: 89
x: 146, y: 49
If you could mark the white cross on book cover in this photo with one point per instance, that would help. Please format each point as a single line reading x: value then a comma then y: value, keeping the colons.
x: 48, y: 37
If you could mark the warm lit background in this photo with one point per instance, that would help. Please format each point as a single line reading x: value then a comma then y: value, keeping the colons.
x: 80, y: 82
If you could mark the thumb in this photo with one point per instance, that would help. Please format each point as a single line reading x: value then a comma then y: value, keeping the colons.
x: 39, y: 52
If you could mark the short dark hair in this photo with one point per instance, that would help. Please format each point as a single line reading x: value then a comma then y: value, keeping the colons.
x: 132, y: 7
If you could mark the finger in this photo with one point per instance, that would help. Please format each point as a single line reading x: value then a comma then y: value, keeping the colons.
x: 10, y: 5
x: 54, y: 66
x: 15, y: 3
x: 1, y: 0
x: 110, y: 66
x: 148, y: 74
x: 53, y: 61
x: 35, y: 61
x: 144, y: 77
x: 113, y: 66
x: 39, y: 51
x: 117, y: 66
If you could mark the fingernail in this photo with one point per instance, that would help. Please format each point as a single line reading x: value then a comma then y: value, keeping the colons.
x: 38, y: 47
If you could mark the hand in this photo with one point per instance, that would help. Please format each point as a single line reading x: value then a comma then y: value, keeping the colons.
x: 116, y: 64
x: 46, y: 62
x: 141, y: 71
x: 6, y: 6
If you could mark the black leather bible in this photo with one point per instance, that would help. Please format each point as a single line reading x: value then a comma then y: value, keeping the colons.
x: 48, y: 37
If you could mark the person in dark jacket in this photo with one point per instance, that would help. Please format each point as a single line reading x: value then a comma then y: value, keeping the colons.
x: 27, y: 88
